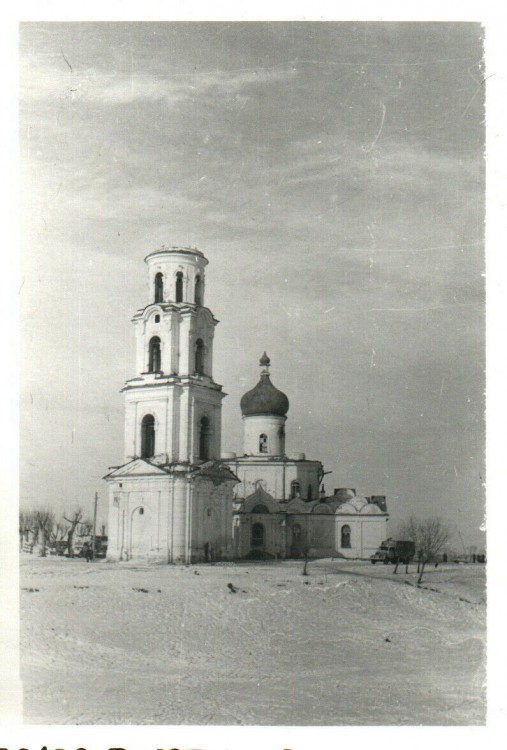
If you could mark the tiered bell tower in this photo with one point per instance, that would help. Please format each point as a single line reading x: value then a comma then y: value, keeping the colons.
x: 173, y: 406
x: 171, y: 500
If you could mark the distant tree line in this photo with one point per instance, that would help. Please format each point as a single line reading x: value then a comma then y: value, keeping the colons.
x: 41, y: 527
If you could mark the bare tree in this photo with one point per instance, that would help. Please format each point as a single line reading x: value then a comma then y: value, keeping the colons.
x: 74, y: 520
x: 45, y: 520
x: 430, y: 536
x: 27, y: 525
x: 410, y: 530
x: 58, y: 532
x: 85, y: 527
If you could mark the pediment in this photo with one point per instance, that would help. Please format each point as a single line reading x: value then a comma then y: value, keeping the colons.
x: 260, y: 497
x: 136, y: 467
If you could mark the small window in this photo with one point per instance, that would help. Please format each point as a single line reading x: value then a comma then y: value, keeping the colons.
x: 296, y: 532
x: 157, y: 318
x: 310, y: 493
x: 263, y: 443
x: 345, y: 537
x: 294, y: 489
x: 179, y: 287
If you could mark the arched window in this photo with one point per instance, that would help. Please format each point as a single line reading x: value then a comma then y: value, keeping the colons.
x: 294, y: 489
x: 157, y: 318
x: 154, y: 358
x: 159, y: 287
x: 345, y: 540
x: 148, y: 436
x: 296, y: 533
x: 263, y: 443
x: 259, y: 509
x: 204, y: 439
x: 310, y: 493
x: 179, y: 287
x: 257, y: 535
x: 199, y: 356
x: 198, y: 291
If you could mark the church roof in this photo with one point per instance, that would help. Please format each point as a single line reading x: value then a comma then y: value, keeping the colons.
x: 216, y: 471
x: 264, y: 398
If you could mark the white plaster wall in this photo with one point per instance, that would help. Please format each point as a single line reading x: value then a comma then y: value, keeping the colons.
x: 273, y: 475
x: 138, y: 403
x: 274, y: 534
x: 169, y: 263
x: 130, y: 534
x: 206, y: 403
x: 270, y: 425
x: 211, y: 520
x: 307, y: 474
x: 177, y: 410
x: 367, y: 532
x: 175, y: 524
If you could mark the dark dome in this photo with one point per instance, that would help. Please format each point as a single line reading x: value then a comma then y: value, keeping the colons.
x: 264, y: 399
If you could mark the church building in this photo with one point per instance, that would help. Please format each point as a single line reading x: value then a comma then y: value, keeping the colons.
x: 177, y: 498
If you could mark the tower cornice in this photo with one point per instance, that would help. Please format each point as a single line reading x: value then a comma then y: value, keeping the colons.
x: 175, y: 250
x: 148, y: 382
x: 183, y: 308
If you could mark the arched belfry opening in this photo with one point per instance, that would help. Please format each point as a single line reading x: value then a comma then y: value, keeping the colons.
x: 154, y: 359
x: 148, y: 436
x: 159, y: 287
x: 198, y: 291
x: 179, y: 286
x: 204, y: 439
x: 199, y: 357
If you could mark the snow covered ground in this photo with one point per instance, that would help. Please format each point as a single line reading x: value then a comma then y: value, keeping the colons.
x: 350, y: 644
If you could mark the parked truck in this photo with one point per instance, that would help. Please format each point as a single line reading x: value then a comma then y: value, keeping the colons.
x: 394, y: 551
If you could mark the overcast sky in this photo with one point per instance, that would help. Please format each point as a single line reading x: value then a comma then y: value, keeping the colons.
x: 332, y: 173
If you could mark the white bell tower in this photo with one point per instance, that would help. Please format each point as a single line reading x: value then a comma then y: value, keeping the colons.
x: 173, y: 406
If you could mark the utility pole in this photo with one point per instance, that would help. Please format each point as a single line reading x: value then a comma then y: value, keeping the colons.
x: 94, y: 524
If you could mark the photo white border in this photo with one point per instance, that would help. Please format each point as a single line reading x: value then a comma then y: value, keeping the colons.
x: 15, y: 735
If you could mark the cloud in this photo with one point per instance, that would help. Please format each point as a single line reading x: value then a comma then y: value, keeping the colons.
x: 60, y: 81
x: 401, y: 163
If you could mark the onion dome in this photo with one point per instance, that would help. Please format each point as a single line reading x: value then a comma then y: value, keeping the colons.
x: 264, y: 398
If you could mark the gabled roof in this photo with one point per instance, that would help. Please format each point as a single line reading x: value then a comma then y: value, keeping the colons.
x: 136, y: 467
x: 215, y: 471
